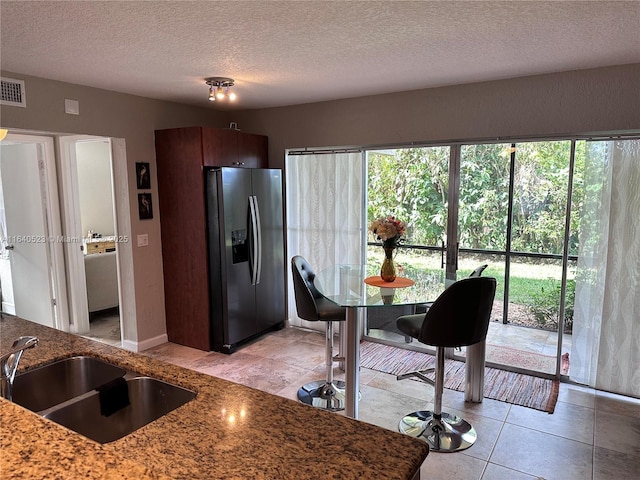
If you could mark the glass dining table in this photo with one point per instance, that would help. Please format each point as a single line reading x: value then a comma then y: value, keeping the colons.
x: 357, y: 287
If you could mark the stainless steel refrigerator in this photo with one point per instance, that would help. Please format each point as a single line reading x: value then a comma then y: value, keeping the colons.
x: 246, y: 254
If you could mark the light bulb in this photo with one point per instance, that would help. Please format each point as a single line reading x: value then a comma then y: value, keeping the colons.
x: 212, y: 95
x: 232, y: 96
x: 219, y: 93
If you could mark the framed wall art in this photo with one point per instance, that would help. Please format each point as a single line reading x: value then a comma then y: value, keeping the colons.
x: 145, y: 206
x: 143, y: 176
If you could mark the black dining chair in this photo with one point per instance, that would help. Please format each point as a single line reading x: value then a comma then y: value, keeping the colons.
x: 478, y: 271
x: 458, y: 317
x: 312, y: 306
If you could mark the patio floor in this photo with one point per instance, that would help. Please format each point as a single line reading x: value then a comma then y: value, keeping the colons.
x: 510, y: 345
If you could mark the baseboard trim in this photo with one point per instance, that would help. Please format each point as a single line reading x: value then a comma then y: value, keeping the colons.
x: 145, y: 344
x: 9, y: 308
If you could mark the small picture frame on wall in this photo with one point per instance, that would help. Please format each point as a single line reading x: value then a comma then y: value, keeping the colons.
x: 143, y: 176
x: 145, y: 207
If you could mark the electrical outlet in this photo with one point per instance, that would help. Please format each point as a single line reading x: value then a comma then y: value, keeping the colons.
x: 143, y: 240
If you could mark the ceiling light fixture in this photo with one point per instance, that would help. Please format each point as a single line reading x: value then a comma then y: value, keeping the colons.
x: 220, y: 88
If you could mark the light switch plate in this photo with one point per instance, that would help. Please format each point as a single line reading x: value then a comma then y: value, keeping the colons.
x: 143, y: 240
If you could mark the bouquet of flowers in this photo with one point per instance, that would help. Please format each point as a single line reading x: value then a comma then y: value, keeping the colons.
x: 389, y: 231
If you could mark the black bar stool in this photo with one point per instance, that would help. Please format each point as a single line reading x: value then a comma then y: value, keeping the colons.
x: 313, y: 306
x: 459, y: 317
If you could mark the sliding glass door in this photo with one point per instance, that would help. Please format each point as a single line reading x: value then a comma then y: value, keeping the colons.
x: 503, y: 205
x: 411, y: 184
x: 513, y: 217
x: 555, y: 221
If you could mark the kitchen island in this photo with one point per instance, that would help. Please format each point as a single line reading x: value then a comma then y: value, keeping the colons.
x: 229, y: 431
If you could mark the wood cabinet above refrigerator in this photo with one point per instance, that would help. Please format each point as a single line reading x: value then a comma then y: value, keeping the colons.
x: 181, y: 154
x: 233, y: 148
x: 214, y: 147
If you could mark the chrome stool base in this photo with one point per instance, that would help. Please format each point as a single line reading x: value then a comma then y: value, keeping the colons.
x: 320, y: 394
x: 448, y: 433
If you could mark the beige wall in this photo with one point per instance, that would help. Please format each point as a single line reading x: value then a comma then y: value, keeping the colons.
x: 598, y: 100
x: 95, y: 192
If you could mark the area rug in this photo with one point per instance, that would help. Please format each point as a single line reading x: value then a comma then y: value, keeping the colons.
x: 516, y: 388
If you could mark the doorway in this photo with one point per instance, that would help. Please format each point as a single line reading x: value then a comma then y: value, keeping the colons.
x: 412, y: 184
x: 86, y: 166
x: 512, y: 210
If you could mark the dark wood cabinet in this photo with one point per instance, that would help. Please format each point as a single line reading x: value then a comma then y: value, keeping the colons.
x: 252, y: 151
x: 232, y: 148
x: 181, y: 154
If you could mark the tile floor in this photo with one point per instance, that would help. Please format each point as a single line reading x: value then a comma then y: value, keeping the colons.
x: 591, y: 435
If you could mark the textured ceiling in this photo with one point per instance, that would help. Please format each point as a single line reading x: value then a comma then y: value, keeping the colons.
x: 285, y: 53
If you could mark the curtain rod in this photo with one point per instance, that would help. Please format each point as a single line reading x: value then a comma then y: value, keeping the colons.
x: 611, y: 139
x: 631, y: 135
x: 324, y: 151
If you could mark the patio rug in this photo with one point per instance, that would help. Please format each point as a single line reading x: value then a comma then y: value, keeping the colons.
x: 510, y: 387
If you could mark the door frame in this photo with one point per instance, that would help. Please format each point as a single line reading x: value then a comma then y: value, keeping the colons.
x: 78, y: 304
x: 453, y: 197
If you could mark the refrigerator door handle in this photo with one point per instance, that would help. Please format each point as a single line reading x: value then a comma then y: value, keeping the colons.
x: 256, y: 251
x: 259, y: 235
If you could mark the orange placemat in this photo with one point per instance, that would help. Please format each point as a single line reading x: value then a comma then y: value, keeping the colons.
x: 399, y: 282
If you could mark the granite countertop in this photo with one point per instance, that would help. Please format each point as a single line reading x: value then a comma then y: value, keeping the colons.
x: 271, y: 437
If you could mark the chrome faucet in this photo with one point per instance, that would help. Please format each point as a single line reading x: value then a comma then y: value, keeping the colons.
x: 9, y: 363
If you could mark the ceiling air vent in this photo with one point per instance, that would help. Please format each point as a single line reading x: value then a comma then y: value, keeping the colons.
x: 12, y: 92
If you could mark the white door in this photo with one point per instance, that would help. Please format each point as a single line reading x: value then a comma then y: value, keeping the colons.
x: 30, y: 241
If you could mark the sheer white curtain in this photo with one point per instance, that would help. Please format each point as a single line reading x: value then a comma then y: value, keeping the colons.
x: 325, y: 200
x: 606, y: 333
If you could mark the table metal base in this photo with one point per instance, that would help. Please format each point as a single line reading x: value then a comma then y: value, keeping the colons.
x: 352, y: 361
x: 474, y: 372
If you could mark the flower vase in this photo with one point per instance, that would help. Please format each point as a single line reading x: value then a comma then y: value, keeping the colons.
x: 388, y: 269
